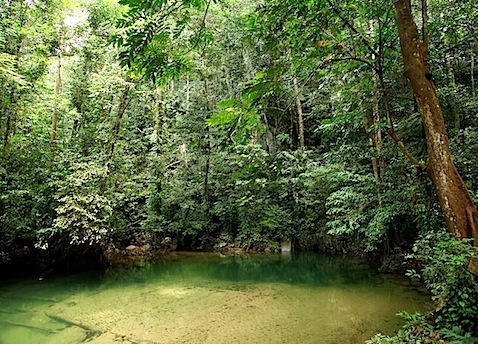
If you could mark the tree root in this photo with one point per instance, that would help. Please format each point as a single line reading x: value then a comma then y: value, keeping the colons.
x: 92, y: 330
x: 30, y: 327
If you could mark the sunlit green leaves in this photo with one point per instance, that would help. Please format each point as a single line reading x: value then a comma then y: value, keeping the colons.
x: 155, y: 37
x: 238, y: 118
x: 8, y: 71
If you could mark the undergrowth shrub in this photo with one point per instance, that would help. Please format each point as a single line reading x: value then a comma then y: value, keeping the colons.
x: 446, y: 275
x: 442, y: 264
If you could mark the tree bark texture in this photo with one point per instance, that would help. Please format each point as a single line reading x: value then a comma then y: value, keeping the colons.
x: 299, y: 113
x: 375, y: 150
x: 54, y: 118
x: 377, y: 132
x: 458, y: 207
x: 124, y: 102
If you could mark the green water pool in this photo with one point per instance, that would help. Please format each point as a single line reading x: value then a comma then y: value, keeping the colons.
x: 304, y: 298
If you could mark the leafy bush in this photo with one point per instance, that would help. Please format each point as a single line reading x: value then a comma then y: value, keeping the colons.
x: 82, y: 212
x: 418, y: 330
x: 442, y: 263
x: 446, y: 274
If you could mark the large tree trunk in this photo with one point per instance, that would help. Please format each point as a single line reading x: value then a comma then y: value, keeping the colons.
x: 458, y: 207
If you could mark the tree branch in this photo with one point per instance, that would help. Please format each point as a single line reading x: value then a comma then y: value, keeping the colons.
x: 404, y: 149
x: 375, y: 69
x: 351, y: 27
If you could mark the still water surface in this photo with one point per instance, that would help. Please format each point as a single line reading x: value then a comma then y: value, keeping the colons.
x: 302, y: 299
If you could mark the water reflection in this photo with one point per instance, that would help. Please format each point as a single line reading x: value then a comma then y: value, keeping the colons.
x: 314, y: 269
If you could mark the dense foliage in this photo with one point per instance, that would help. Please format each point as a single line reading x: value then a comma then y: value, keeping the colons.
x: 215, y: 125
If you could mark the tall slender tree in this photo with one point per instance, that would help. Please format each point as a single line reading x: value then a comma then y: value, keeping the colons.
x: 56, y: 103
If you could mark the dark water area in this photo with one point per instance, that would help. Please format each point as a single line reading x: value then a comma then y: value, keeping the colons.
x: 306, y: 268
x: 304, y: 298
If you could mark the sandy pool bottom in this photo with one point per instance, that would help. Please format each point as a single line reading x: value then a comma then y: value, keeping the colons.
x: 224, y: 313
